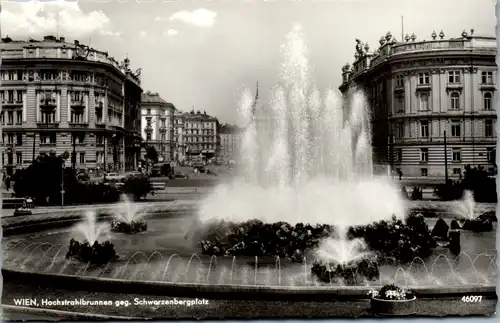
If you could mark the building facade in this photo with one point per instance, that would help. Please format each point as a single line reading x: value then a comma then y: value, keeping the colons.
x: 200, y: 134
x: 157, y: 120
x: 230, y: 141
x: 431, y: 103
x: 66, y: 97
x: 180, y: 146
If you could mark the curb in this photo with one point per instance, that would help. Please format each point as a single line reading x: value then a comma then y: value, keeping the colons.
x: 64, y: 314
x: 228, y: 292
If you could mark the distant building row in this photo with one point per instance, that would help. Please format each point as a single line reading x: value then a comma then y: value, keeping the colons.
x: 180, y: 136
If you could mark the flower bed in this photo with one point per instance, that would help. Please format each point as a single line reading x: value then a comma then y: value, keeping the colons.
x: 129, y: 228
x: 392, y: 300
x: 255, y: 238
x: 98, y: 254
x: 399, y: 241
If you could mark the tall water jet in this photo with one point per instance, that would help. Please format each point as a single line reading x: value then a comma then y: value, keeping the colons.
x: 319, y: 166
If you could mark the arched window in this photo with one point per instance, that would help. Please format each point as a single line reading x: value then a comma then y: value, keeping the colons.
x: 487, y: 101
x: 455, y: 101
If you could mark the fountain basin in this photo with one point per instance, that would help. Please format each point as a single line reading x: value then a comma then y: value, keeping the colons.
x: 236, y: 292
x: 401, y: 307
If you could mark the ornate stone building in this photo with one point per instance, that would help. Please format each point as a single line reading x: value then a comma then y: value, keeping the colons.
x: 157, y: 119
x: 431, y: 103
x: 200, y: 134
x: 58, y: 96
x: 180, y: 145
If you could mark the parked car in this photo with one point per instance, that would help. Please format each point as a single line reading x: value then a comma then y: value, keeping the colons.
x: 115, y: 177
x: 181, y: 175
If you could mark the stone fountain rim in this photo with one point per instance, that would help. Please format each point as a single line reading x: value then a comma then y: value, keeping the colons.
x: 175, y: 288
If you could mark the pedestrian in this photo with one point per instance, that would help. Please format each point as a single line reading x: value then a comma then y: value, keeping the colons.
x: 29, y: 202
x: 7, y: 182
x: 400, y: 174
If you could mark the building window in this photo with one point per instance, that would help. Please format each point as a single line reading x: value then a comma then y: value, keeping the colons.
x: 19, y: 117
x: 400, y: 104
x: 423, y: 171
x: 457, y: 155
x: 487, y: 77
x: 487, y: 101
x: 456, y: 128
x: 81, y: 138
x: 82, y: 158
x: 10, y: 117
x: 148, y: 122
x: 399, y: 81
x: 163, y: 136
x: 423, y: 78
x: 424, y: 128
x: 19, y: 96
x: 423, y: 102
x: 491, y: 154
x: 455, y: 101
x: 19, y: 158
x: 48, y: 115
x: 424, y: 155
x: 457, y: 171
x: 19, y: 139
x: 48, y: 138
x: 2, y: 117
x: 454, y: 77
x: 148, y: 111
x: 488, y: 128
x: 148, y: 136
x: 77, y: 115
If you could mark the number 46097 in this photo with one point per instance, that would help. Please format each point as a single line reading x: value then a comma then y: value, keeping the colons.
x: 472, y: 299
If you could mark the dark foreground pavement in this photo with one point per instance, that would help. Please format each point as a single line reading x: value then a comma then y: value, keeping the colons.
x: 226, y: 308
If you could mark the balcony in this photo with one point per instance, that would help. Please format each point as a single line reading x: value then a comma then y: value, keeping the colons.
x: 8, y: 103
x: 75, y: 124
x: 50, y: 125
x: 77, y: 103
x: 424, y: 87
x: 48, y: 102
x: 487, y: 86
x: 454, y: 87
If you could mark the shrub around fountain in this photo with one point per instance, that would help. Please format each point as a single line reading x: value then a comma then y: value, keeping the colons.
x: 397, y: 240
x: 350, y: 274
x: 440, y: 230
x: 129, y: 227
x: 255, y: 238
x: 98, y: 254
x: 478, y: 225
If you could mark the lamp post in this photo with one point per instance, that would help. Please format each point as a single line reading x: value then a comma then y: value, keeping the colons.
x: 62, y: 182
x: 445, y: 159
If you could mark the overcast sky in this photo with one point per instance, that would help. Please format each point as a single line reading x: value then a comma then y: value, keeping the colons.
x: 202, y: 53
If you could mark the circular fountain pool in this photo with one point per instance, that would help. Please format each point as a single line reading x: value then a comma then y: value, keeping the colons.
x: 163, y: 254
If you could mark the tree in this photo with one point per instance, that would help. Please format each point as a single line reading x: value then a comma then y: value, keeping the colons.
x: 151, y: 154
x: 43, y: 178
x: 137, y: 186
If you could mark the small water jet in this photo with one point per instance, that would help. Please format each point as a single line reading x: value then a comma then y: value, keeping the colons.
x: 346, y: 259
x: 128, y: 218
x: 91, y: 250
x: 470, y: 215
